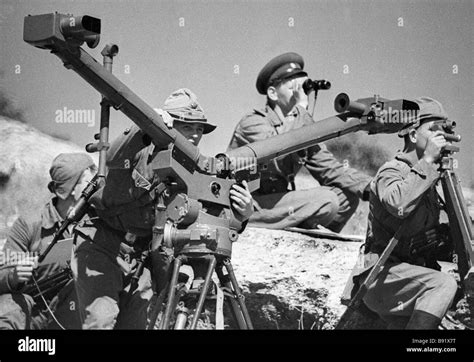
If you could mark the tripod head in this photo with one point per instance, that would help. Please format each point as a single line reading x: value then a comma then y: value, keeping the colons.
x: 446, y: 161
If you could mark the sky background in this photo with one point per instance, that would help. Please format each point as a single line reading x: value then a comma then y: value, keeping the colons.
x: 397, y: 49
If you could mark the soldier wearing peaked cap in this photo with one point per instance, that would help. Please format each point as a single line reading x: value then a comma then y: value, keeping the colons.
x: 410, y: 292
x: 125, y: 207
x: 331, y: 204
x: 70, y: 174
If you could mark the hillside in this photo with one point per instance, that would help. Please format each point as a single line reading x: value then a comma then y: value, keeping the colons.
x: 25, y: 157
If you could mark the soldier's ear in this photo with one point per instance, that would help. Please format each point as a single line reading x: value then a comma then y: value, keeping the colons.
x: 272, y: 93
x: 412, y: 135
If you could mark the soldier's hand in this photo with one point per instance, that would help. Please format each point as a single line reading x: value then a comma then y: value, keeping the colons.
x: 298, y: 92
x: 434, y: 146
x: 23, y: 272
x: 166, y: 117
x: 242, y: 201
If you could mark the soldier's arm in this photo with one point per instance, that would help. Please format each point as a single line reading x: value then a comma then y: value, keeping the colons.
x: 17, y: 243
x: 328, y: 171
x: 123, y: 149
x: 400, y: 195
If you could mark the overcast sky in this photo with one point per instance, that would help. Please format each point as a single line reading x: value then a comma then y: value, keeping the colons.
x: 397, y: 49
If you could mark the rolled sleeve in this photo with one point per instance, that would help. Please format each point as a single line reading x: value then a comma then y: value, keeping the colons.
x: 18, y: 240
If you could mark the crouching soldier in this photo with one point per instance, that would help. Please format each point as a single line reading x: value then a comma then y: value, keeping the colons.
x: 126, y: 210
x: 334, y: 202
x: 70, y: 174
x: 410, y: 292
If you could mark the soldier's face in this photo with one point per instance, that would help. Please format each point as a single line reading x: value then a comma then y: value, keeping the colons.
x: 87, y: 175
x: 192, y: 132
x: 289, y: 92
x: 425, y: 131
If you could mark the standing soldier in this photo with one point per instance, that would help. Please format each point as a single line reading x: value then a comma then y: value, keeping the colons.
x: 330, y: 205
x: 70, y: 174
x: 126, y: 210
x: 410, y: 292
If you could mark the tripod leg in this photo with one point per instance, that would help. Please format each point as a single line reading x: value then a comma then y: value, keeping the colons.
x: 459, y: 222
x: 205, y: 287
x: 156, y: 308
x: 171, y: 293
x: 462, y: 204
x: 236, y: 312
x: 238, y: 292
x: 219, y: 308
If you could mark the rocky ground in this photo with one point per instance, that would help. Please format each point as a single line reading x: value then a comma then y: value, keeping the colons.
x: 294, y: 281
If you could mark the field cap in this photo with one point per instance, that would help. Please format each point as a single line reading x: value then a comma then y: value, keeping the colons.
x: 430, y: 110
x: 65, y: 172
x: 282, y: 67
x: 183, y: 106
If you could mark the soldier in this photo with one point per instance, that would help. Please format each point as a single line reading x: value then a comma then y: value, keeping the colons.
x: 125, y: 206
x: 410, y: 292
x: 70, y: 174
x: 331, y: 204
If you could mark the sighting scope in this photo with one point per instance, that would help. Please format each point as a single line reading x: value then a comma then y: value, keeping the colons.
x: 391, y: 111
x: 448, y: 128
x: 43, y: 31
x: 310, y: 84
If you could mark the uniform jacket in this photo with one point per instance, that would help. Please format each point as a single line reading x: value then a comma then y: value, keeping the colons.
x: 125, y: 202
x: 323, y: 166
x: 403, y: 189
x: 31, y: 235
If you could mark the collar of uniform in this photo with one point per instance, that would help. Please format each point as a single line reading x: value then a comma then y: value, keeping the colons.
x: 275, y: 120
x: 273, y: 116
x: 411, y: 160
x: 50, y: 216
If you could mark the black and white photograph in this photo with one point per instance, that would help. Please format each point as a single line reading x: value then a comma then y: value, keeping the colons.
x: 289, y: 179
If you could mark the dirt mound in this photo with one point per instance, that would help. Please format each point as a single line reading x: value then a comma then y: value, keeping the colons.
x: 292, y: 281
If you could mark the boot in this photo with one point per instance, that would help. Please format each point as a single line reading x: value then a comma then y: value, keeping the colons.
x: 423, y: 320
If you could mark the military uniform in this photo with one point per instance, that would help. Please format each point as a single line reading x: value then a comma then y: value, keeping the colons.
x: 19, y: 310
x: 125, y: 205
x: 330, y: 205
x: 403, y: 194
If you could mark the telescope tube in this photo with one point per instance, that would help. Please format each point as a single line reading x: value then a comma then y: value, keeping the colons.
x: 47, y: 35
x: 295, y: 140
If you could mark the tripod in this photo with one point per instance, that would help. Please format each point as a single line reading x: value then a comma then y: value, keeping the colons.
x: 205, y: 263
x: 460, y: 223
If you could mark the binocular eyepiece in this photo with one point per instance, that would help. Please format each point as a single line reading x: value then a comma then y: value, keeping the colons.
x: 310, y: 84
